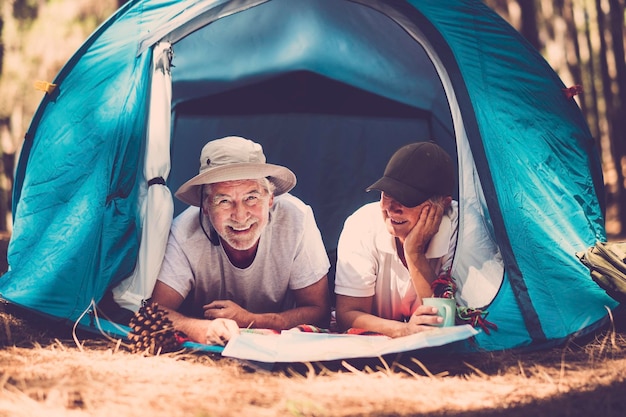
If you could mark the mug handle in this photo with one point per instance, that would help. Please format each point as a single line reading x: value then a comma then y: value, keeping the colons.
x: 448, y: 311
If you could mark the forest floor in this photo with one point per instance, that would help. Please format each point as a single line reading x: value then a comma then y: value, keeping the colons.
x: 47, y: 371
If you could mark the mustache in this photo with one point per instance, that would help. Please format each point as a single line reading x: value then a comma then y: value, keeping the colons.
x: 241, y: 226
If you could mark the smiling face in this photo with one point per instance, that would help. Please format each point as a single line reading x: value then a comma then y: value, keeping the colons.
x: 399, y: 219
x: 239, y: 211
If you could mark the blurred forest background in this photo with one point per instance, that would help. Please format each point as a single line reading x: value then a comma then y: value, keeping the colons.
x: 583, y: 40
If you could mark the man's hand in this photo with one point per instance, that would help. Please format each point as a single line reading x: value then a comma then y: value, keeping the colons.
x: 220, y: 331
x: 226, y: 309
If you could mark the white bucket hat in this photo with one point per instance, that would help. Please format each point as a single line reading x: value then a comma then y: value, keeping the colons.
x: 234, y: 158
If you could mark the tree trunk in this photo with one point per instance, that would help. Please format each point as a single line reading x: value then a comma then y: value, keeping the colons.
x: 618, y: 193
x: 501, y: 7
x: 573, y: 58
x: 591, y: 89
x: 528, y: 26
x: 619, y: 100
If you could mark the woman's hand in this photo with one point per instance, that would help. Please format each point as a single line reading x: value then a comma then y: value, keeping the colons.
x: 417, y: 240
x: 423, y: 319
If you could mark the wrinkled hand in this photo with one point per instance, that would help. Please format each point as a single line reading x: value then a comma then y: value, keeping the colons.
x: 226, y: 309
x: 416, y: 242
x: 220, y: 331
x: 423, y: 319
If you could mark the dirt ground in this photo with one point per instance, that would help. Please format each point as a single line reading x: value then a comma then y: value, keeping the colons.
x: 44, y: 372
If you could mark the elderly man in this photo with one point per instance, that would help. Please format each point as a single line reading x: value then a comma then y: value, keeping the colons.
x: 389, y: 253
x: 246, y: 254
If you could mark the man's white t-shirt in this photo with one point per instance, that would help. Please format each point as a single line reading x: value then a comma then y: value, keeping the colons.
x: 291, y: 256
x: 368, y: 263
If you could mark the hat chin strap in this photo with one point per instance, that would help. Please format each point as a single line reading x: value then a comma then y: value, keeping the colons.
x: 212, y: 236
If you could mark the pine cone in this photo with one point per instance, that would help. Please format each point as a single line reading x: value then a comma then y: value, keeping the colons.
x: 152, y: 332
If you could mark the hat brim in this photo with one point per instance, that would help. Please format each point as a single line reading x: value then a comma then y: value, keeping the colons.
x: 404, y: 194
x: 282, y: 178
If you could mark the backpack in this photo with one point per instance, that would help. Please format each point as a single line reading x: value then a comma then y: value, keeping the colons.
x: 607, y: 265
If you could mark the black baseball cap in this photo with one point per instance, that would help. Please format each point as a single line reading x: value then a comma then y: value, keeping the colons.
x: 416, y: 172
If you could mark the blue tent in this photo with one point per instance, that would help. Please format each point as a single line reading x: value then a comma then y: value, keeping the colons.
x: 330, y: 88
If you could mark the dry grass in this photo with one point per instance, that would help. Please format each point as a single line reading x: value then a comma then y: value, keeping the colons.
x: 44, y: 373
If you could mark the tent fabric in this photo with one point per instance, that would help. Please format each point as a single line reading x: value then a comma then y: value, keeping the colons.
x: 330, y: 88
x: 156, y: 223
